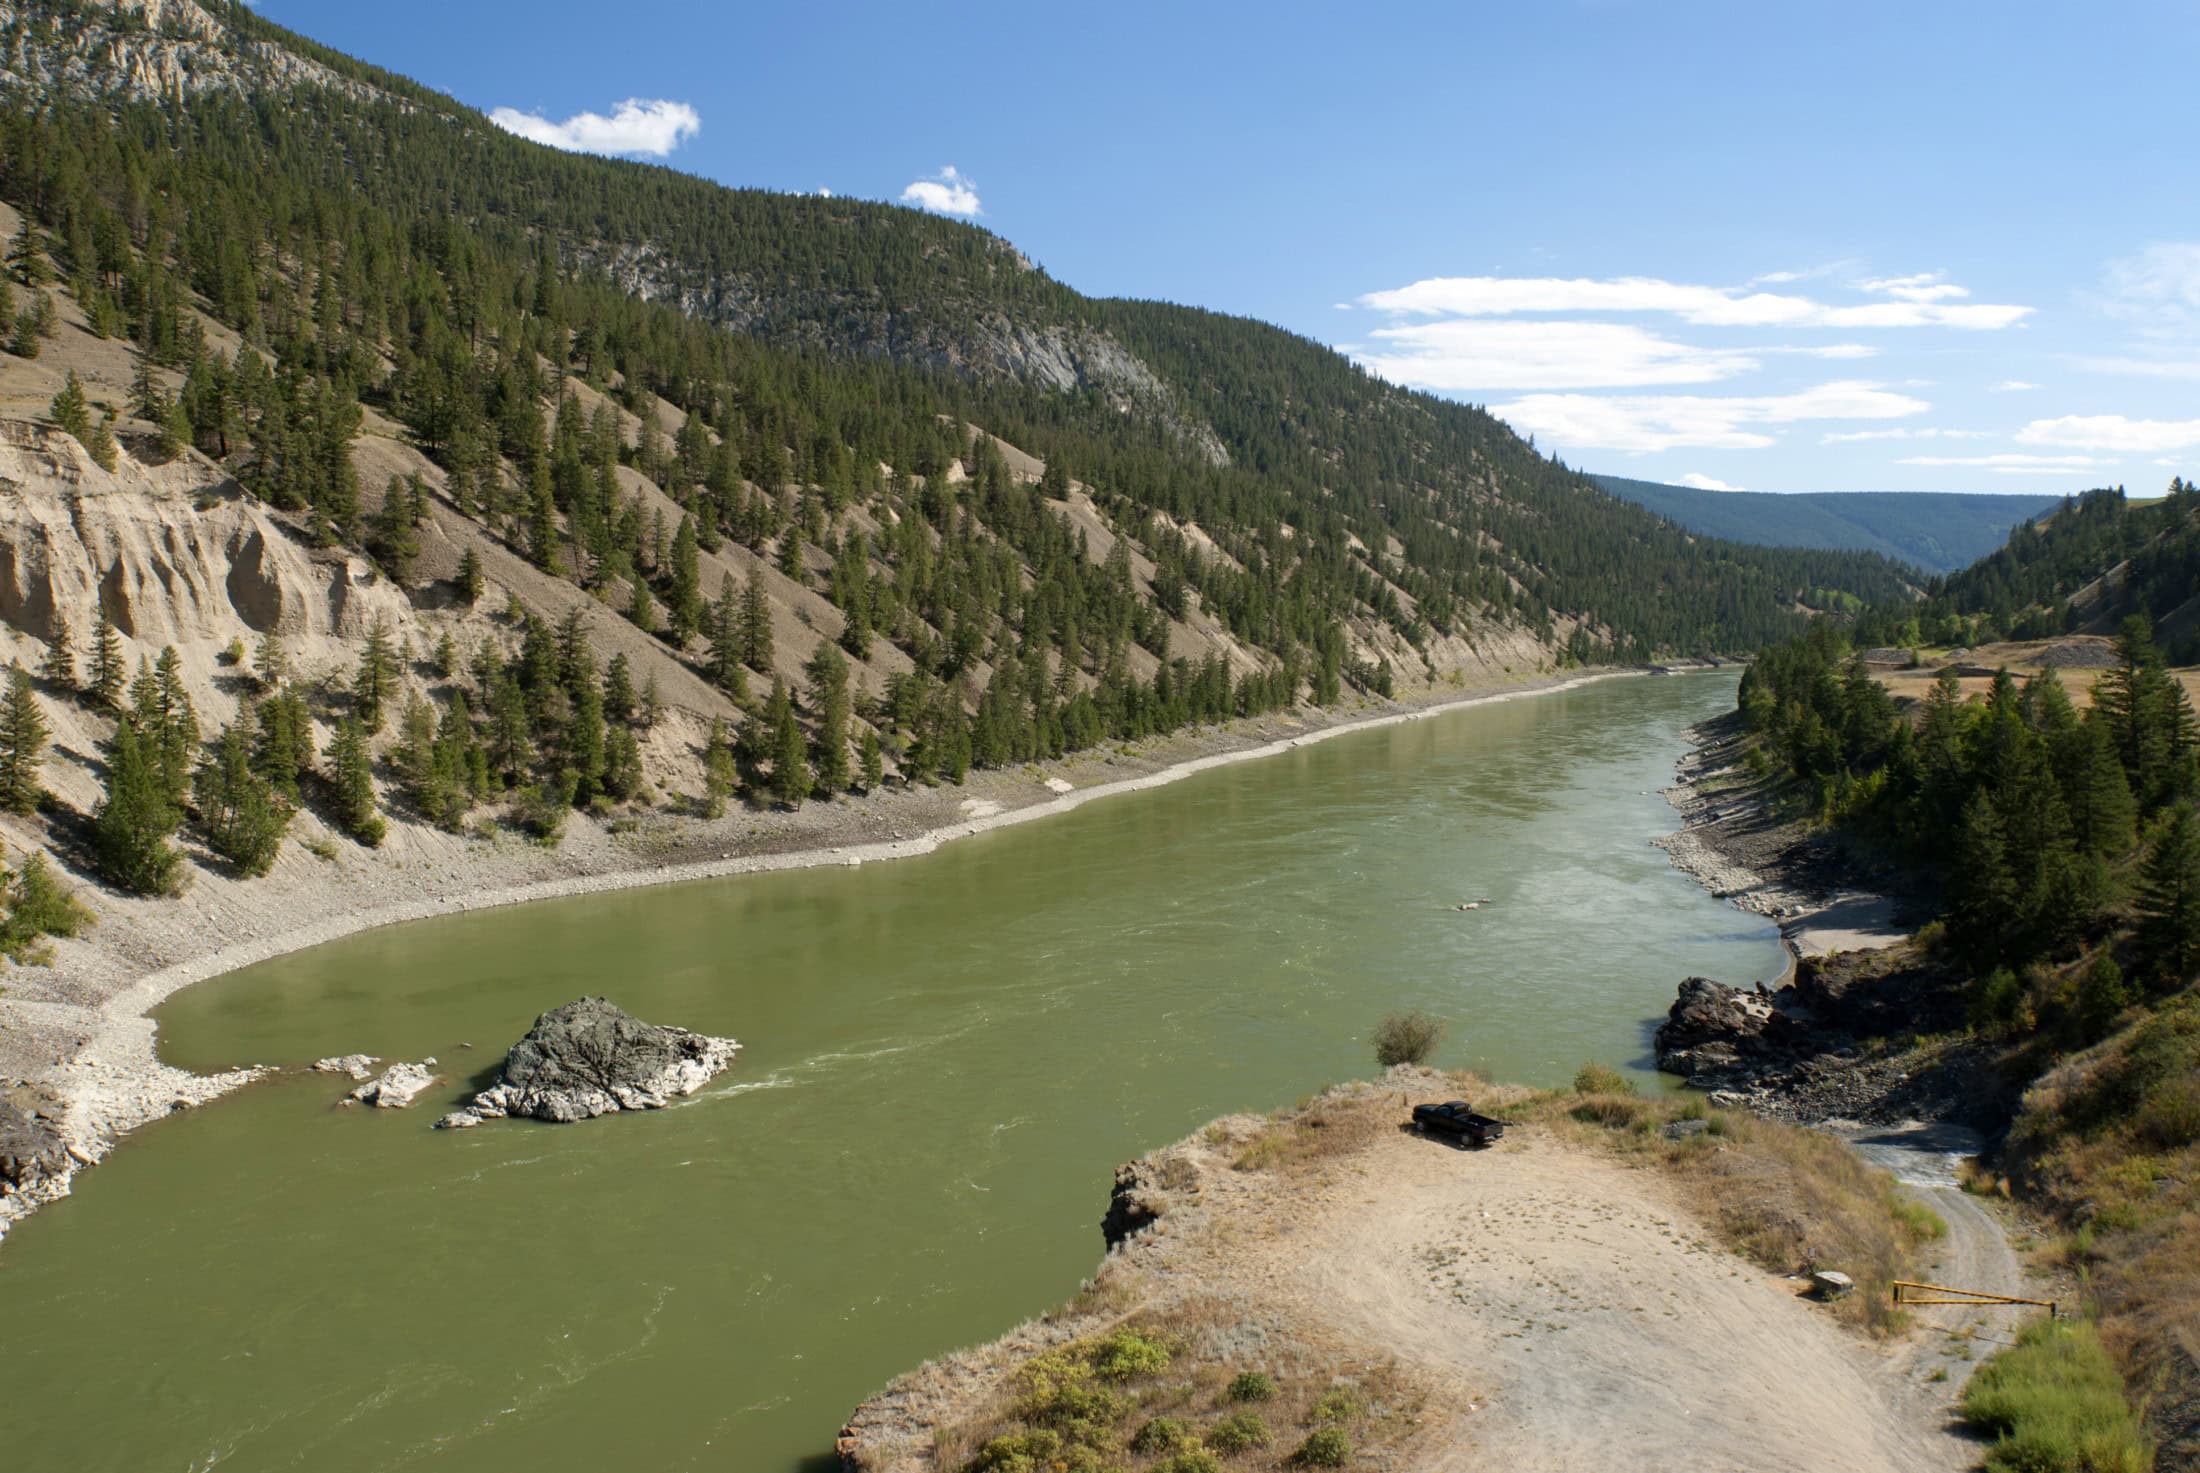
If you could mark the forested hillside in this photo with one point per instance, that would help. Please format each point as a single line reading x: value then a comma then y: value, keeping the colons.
x: 2097, y: 560
x: 1937, y: 532
x: 843, y: 493
x: 2066, y: 845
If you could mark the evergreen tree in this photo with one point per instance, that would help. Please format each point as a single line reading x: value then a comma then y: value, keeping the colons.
x: 585, y: 740
x: 70, y: 410
x: 1982, y: 892
x: 351, y: 784
x: 828, y: 672
x: 131, y: 828
x: 726, y: 642
x: 243, y: 818
x: 686, y: 598
x: 470, y: 578
x: 790, y: 552
x: 542, y: 523
x: 391, y: 538
x: 167, y: 722
x: 640, y: 611
x: 756, y: 626
x: 618, y: 692
x: 790, y: 768
x: 719, y: 772
x: 273, y: 664
x: 283, y: 746
x: 2169, y: 897
x: 175, y: 429
x: 107, y: 667
x: 58, y: 669
x: 2102, y: 996
x: 27, y: 257
x: 101, y: 444
x: 376, y: 680
x: 23, y: 733
x: 873, y: 761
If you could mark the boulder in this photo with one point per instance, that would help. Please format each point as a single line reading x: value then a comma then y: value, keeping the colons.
x: 398, y: 1087
x: 358, y: 1066
x: 1831, y: 1283
x: 1714, y: 1030
x: 32, y: 1153
x: 589, y: 1058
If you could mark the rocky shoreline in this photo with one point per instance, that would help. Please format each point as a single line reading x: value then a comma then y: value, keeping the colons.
x: 79, y: 1037
x: 1834, y: 1040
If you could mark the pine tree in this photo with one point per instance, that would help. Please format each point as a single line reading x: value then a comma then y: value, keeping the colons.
x: 585, y: 740
x: 27, y: 257
x: 107, y: 667
x: 376, y: 680
x: 58, y: 669
x: 2102, y: 995
x: 392, y: 540
x: 23, y: 733
x: 171, y: 726
x: 2169, y: 897
x: 724, y: 629
x: 542, y: 521
x: 790, y: 767
x: 756, y: 626
x: 470, y: 579
x: 175, y: 429
x: 618, y: 692
x: 283, y: 747
x: 790, y: 552
x: 243, y: 818
x: 873, y: 761
x: 719, y: 772
x: 351, y: 782
x: 828, y: 672
x: 1982, y: 891
x: 686, y: 598
x: 2102, y: 813
x: 640, y: 611
x: 273, y: 664
x: 130, y: 831
x: 70, y: 410
x: 101, y: 446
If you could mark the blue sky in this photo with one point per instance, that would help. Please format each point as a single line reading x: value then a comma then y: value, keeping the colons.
x: 1774, y: 246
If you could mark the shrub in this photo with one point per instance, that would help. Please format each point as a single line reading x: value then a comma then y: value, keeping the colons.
x: 1191, y: 1460
x: 1252, y: 1386
x: 2054, y: 1402
x: 1239, y: 1432
x: 1127, y: 1353
x: 1601, y: 1079
x: 1326, y: 1448
x: 1162, y: 1434
x: 1406, y: 1038
x: 1337, y: 1404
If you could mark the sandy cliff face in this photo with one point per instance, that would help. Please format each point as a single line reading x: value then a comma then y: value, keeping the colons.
x: 177, y: 553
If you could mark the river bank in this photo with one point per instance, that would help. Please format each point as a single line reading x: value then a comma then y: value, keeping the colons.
x: 1547, y: 1303
x: 1834, y: 1041
x: 79, y: 1040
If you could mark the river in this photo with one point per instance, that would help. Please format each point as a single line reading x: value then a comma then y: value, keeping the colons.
x: 944, y: 1059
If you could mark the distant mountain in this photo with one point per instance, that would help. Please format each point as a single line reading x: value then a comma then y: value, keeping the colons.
x: 1933, y: 530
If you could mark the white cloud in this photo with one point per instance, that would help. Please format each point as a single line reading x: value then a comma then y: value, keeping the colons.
x: 2013, y: 386
x: 1925, y: 287
x: 635, y: 126
x: 2181, y: 368
x: 2160, y: 285
x: 2112, y: 432
x: 950, y: 192
x: 1467, y: 354
x: 1649, y: 422
x: 1850, y: 437
x: 1703, y: 306
x: 1703, y: 482
x: 2066, y: 466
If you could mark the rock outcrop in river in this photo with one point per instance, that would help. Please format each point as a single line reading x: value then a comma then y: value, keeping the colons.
x: 590, y: 1058
x: 34, y: 1161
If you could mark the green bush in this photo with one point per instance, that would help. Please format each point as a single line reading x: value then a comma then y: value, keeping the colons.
x: 1161, y: 1435
x: 1239, y: 1432
x: 1191, y: 1460
x: 1126, y: 1353
x: 1326, y: 1448
x: 1252, y: 1386
x: 1601, y: 1079
x: 1337, y: 1404
x: 1407, y: 1038
x: 2054, y: 1403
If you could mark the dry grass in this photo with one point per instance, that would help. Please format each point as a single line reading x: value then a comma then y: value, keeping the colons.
x: 1788, y: 1199
x: 1169, y: 1390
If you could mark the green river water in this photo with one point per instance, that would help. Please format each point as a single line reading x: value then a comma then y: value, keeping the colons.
x: 944, y: 1059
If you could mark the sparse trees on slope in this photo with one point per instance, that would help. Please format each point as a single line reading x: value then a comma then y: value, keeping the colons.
x: 242, y: 815
x: 23, y: 733
x: 351, y: 784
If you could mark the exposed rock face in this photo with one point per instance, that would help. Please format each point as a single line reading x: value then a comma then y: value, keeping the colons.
x: 1132, y: 1206
x: 32, y: 1154
x: 1713, y: 1030
x: 398, y: 1087
x: 589, y: 1058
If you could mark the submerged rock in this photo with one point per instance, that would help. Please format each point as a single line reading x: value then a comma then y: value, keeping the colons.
x: 590, y: 1058
x: 398, y: 1087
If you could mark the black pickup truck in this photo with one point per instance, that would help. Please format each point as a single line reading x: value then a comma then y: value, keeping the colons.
x: 1457, y: 1118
